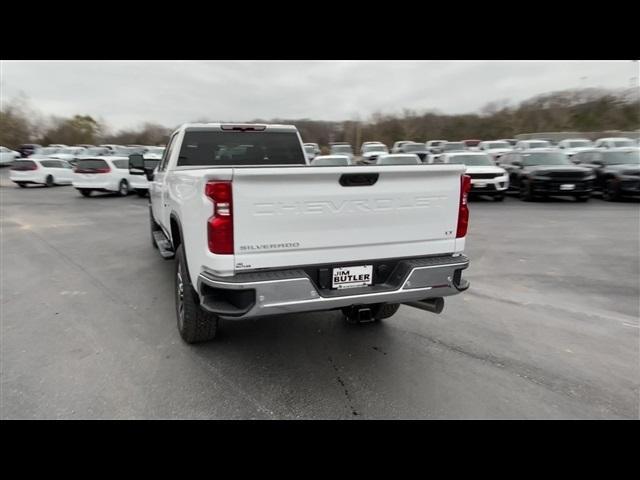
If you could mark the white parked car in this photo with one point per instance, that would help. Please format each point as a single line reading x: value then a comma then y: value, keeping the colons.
x: 530, y: 144
x: 331, y: 161
x: 495, y: 148
x: 371, y: 152
x: 397, y: 145
x: 399, y: 159
x: 419, y: 149
x: 7, y: 155
x: 486, y: 177
x: 41, y: 171
x: 316, y: 147
x: 614, y: 142
x: 571, y: 146
x: 69, y: 154
x: 57, y: 145
x: 342, y: 149
x: 435, y: 146
x: 453, y: 147
x: 107, y: 174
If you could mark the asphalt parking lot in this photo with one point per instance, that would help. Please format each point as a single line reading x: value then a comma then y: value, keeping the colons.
x: 548, y: 330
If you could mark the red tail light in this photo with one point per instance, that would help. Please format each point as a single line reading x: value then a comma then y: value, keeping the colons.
x: 463, y: 209
x: 220, y: 225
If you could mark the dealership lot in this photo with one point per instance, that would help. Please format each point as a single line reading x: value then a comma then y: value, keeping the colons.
x: 548, y: 329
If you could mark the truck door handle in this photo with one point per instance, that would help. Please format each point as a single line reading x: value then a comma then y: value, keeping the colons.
x: 358, y: 179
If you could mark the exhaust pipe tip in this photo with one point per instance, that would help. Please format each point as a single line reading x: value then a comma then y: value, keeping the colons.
x: 433, y: 305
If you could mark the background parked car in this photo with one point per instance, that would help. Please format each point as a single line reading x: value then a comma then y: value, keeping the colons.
x: 617, y: 171
x: 486, y: 177
x: 341, y: 149
x: 419, y: 149
x: 69, y: 154
x: 331, y: 161
x: 495, y: 148
x: 398, y: 159
x: 453, y: 147
x: 27, y: 149
x: 471, y: 144
x: 435, y: 146
x: 41, y: 171
x: 541, y: 172
x: 7, y: 155
x: 397, y: 145
x: 510, y: 141
x: 571, y: 146
x: 107, y: 174
x: 614, y: 142
x: 315, y: 146
x: 530, y: 144
x: 371, y: 152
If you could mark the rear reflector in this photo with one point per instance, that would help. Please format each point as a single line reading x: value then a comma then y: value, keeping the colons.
x: 220, y: 225
x: 463, y: 209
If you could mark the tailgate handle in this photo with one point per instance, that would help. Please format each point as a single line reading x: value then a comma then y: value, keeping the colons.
x: 358, y: 179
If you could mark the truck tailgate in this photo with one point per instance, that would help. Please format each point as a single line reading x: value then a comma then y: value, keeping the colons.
x: 311, y: 215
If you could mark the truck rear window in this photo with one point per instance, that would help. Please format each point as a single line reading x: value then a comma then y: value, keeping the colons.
x: 241, y: 148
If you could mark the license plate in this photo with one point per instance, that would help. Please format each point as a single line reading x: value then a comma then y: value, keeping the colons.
x: 349, y: 277
x: 567, y: 186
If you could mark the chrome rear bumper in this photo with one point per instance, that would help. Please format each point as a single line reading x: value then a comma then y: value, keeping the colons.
x: 288, y: 291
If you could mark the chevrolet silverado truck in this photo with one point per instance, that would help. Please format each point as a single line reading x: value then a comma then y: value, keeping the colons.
x: 255, y: 230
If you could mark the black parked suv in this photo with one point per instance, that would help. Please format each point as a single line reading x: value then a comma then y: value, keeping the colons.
x: 541, y: 172
x: 617, y: 170
x: 27, y: 149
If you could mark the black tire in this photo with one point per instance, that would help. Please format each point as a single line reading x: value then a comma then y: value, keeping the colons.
x: 49, y: 181
x: 123, y: 188
x: 526, y: 192
x: 22, y: 184
x: 85, y: 192
x: 610, y: 191
x: 194, y: 323
x: 141, y: 192
x: 154, y: 227
x: 582, y: 198
x: 386, y: 310
x: 498, y: 198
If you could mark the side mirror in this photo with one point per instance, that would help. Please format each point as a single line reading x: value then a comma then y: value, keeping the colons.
x: 149, y: 167
x: 136, y: 164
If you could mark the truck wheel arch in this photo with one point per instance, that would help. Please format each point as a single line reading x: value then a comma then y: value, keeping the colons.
x: 176, y: 231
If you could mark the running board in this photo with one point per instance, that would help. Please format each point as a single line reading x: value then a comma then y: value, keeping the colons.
x: 164, y: 245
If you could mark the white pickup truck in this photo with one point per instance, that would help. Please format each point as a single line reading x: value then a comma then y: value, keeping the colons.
x: 255, y: 230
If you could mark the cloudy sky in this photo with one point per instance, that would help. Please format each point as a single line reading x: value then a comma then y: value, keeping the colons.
x: 127, y: 93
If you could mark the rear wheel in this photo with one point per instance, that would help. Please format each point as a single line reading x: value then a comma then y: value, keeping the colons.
x: 49, y: 181
x: 498, y: 198
x: 194, y: 323
x: 85, y: 192
x: 123, y: 188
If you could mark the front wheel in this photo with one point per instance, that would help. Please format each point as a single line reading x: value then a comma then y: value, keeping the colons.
x: 610, y: 192
x: 498, y: 198
x: 194, y: 323
x: 85, y: 192
x: 22, y: 184
x: 48, y: 181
